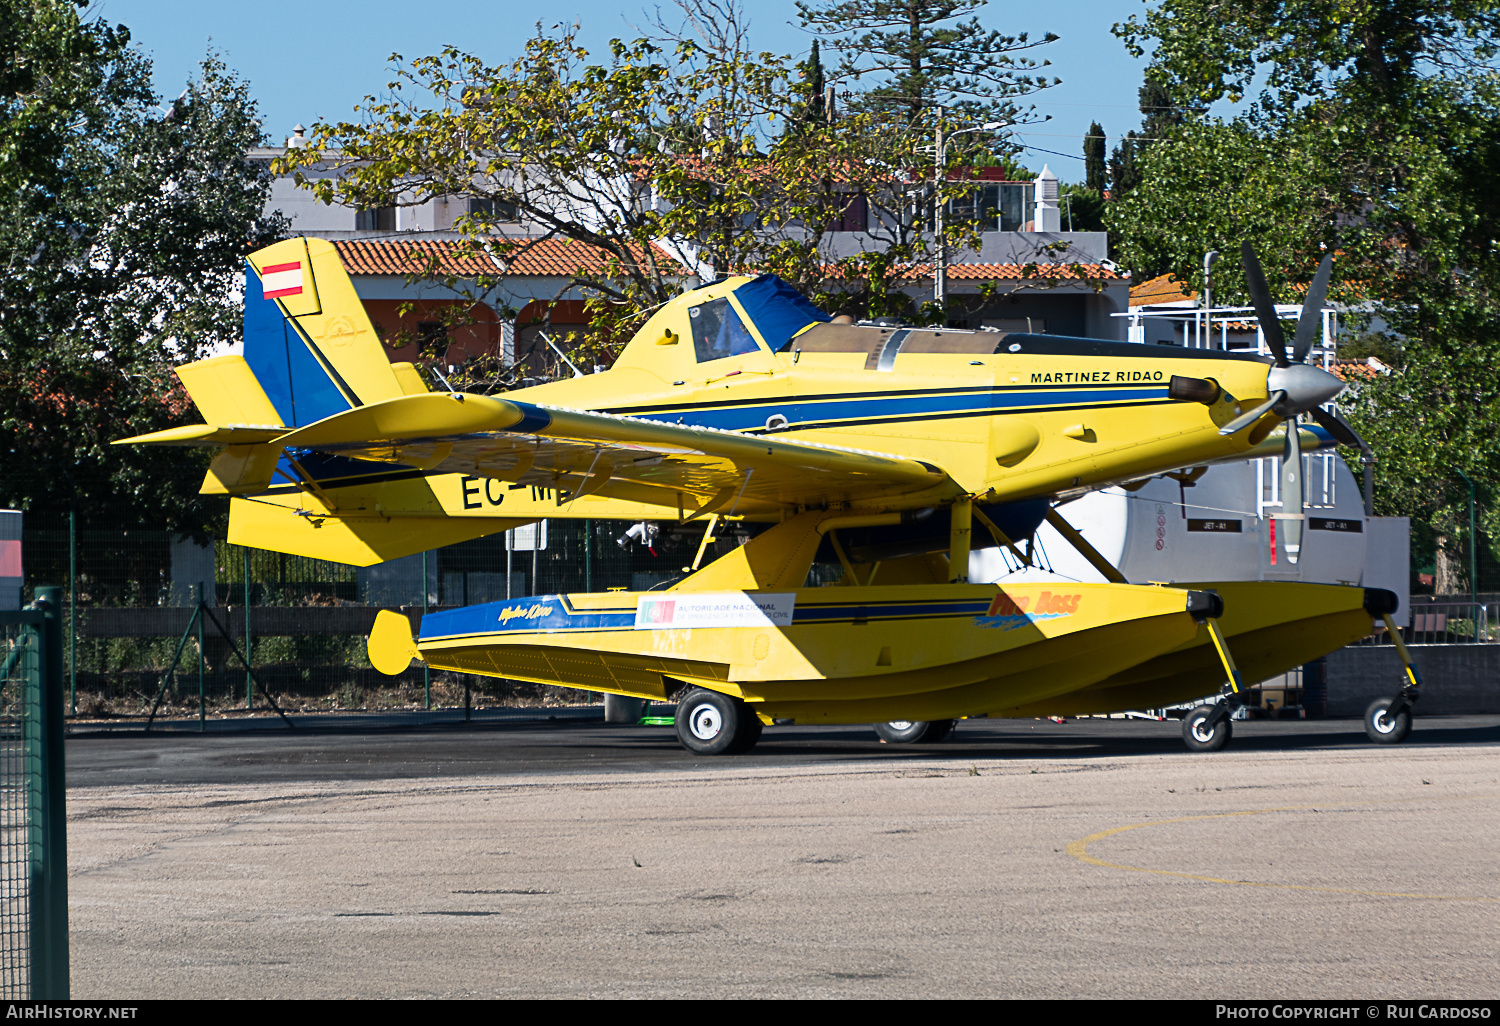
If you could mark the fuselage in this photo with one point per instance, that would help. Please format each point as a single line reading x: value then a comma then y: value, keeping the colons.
x: 1007, y: 415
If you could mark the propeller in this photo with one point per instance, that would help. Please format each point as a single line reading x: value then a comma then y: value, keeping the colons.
x: 1338, y: 428
x: 1294, y: 387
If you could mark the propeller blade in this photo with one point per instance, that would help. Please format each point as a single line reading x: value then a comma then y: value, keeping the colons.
x: 1265, y: 309
x: 1312, y: 310
x: 1291, y: 493
x: 1244, y: 420
x: 1336, y: 426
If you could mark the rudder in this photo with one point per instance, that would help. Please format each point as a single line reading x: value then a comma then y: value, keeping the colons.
x: 308, y: 340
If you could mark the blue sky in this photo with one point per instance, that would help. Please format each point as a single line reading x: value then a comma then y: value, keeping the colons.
x: 309, y: 60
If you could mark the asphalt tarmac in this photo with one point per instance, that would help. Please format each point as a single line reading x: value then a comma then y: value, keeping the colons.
x: 1025, y: 858
x: 348, y: 752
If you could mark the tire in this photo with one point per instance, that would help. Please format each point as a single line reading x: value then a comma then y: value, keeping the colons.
x: 914, y: 732
x: 1200, y: 735
x: 748, y: 734
x: 710, y: 723
x: 1384, y: 729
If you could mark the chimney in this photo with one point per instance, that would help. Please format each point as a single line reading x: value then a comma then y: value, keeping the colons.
x: 1047, y: 218
x: 296, y: 140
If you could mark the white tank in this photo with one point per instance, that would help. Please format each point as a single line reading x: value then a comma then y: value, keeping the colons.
x: 1221, y: 527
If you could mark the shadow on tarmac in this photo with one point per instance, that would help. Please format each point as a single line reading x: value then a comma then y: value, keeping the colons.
x: 346, y: 751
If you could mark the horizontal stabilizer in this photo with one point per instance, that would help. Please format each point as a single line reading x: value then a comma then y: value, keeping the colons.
x: 225, y: 391
x: 205, y: 434
x: 240, y: 469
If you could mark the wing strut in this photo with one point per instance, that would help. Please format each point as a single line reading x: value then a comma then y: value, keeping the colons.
x: 1001, y: 538
x: 1070, y: 534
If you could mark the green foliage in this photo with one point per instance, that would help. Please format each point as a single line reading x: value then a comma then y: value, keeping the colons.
x: 669, y: 157
x: 1082, y: 208
x: 1382, y: 345
x: 1376, y: 134
x: 1093, y: 159
x: 809, y: 109
x: 122, y: 233
x: 1160, y: 117
x: 922, y: 57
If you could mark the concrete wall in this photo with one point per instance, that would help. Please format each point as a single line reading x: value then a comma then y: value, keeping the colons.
x: 1456, y: 679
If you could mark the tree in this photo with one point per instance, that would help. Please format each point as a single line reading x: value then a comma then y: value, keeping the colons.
x: 1376, y: 133
x: 1160, y: 116
x: 923, y: 58
x: 810, y: 108
x: 674, y: 158
x: 123, y: 233
x: 1093, y: 159
x: 1082, y: 208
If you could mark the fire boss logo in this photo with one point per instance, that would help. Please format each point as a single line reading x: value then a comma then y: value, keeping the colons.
x: 531, y: 612
x: 1046, y: 604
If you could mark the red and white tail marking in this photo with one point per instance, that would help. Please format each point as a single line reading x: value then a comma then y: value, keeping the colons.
x: 281, y: 280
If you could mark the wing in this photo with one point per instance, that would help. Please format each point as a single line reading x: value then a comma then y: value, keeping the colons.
x: 585, y: 453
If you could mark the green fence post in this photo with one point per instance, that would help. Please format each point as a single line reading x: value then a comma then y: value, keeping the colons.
x: 249, y: 680
x: 426, y: 673
x: 201, y: 711
x: 72, y: 612
x: 49, y: 814
x: 1473, y: 556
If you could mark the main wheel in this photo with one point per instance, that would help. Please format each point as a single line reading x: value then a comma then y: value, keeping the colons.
x: 914, y: 732
x: 1201, y: 734
x: 749, y: 732
x: 1383, y: 728
x: 710, y: 723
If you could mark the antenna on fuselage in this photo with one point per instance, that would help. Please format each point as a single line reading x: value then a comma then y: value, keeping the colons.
x: 439, y: 373
x: 545, y: 338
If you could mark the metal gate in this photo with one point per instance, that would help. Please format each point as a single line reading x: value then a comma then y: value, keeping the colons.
x: 33, y: 825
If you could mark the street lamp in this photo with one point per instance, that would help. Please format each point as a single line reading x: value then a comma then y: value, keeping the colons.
x: 940, y: 262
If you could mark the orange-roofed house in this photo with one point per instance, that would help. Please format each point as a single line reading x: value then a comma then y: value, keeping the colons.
x: 1027, y: 274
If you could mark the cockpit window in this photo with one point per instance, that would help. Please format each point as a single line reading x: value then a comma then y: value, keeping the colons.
x: 718, y: 331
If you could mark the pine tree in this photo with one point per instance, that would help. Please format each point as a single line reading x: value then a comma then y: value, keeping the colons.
x: 922, y: 57
x: 1160, y: 116
x: 1093, y: 158
x: 809, y: 108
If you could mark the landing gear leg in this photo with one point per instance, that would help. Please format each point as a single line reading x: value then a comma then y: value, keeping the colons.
x: 1208, y: 728
x: 1388, y: 720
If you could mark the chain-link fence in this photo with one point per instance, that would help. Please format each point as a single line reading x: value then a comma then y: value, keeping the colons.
x: 33, y: 822
x: 19, y: 642
x: 131, y: 638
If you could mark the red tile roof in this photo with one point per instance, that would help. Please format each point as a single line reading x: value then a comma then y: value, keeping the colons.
x: 519, y: 257
x: 564, y: 257
x: 1367, y: 369
x: 1017, y: 272
x: 1011, y: 272
x: 998, y: 272
x: 1164, y: 288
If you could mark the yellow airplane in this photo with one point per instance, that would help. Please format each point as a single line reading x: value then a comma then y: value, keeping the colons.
x: 893, y: 450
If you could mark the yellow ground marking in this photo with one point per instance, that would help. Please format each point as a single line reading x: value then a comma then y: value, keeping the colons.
x: 1079, y: 850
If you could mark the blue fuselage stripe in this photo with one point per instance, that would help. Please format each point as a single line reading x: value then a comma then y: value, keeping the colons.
x: 831, y: 411
x: 547, y: 613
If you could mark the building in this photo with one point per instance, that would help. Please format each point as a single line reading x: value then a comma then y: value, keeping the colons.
x: 1027, y: 274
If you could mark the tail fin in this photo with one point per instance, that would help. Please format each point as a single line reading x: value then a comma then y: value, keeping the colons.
x: 310, y: 352
x: 308, y: 341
